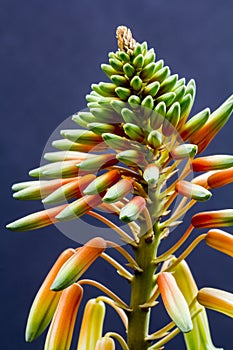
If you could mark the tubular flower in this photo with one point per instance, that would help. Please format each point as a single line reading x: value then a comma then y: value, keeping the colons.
x: 217, y: 300
x: 217, y: 218
x: 105, y: 344
x: 75, y: 267
x: 92, y: 325
x: 199, y: 337
x: 220, y: 240
x: 45, y: 302
x: 174, y: 302
x: 61, y: 329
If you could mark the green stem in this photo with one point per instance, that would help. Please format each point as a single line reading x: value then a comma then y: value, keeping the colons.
x: 142, y: 286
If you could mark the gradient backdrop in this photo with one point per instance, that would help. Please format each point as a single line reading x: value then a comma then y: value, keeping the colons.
x: 50, y: 54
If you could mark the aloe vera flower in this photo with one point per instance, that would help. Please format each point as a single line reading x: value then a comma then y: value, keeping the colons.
x: 133, y: 162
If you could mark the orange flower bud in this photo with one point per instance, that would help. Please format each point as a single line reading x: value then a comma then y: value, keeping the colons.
x: 61, y: 329
x: 221, y: 178
x: 36, y: 220
x: 118, y: 191
x: 220, y: 240
x: 45, y: 302
x: 217, y: 300
x: 218, y: 218
x: 215, y: 162
x: 75, y: 267
x: 174, y: 301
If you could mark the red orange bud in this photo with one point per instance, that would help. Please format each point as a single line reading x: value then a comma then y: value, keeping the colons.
x: 45, y: 302
x: 212, y: 162
x: 75, y: 267
x: 217, y: 300
x: 103, y: 182
x: 217, y: 218
x: 202, y: 180
x: 174, y: 301
x: 92, y: 325
x: 60, y: 332
x: 220, y: 240
x: 221, y: 178
x: 105, y: 344
x: 133, y: 208
x: 193, y: 191
x: 36, y: 220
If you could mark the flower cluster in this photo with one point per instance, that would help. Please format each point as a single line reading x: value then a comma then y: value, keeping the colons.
x: 134, y: 139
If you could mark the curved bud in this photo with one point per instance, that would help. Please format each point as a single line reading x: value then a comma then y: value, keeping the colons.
x: 186, y: 150
x: 92, y: 325
x: 220, y: 240
x: 100, y: 128
x: 105, y: 343
x: 45, y: 302
x: 132, y: 209
x: 75, y: 267
x: 216, y: 299
x: 172, y: 119
x: 103, y: 182
x: 148, y: 71
x: 148, y: 102
x: 37, y: 220
x: 202, y: 179
x: 174, y: 302
x: 123, y: 93
x: 129, y: 116
x: 157, y: 117
x: 128, y: 70
x: 118, y: 191
x: 221, y: 178
x: 60, y: 332
x: 215, y: 162
x: 151, y: 89
x: 169, y: 83
x: 217, y: 218
x: 191, y: 190
x: 136, y: 83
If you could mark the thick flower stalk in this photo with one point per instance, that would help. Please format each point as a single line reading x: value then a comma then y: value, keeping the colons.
x: 132, y: 157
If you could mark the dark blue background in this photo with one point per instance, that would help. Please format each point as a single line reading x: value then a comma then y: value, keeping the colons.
x: 50, y: 54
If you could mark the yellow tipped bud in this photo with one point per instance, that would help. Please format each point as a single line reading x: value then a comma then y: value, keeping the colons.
x: 217, y: 300
x: 212, y: 162
x: 75, y: 267
x: 92, y: 325
x: 220, y: 240
x: 60, y: 332
x: 45, y: 302
x: 118, y: 191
